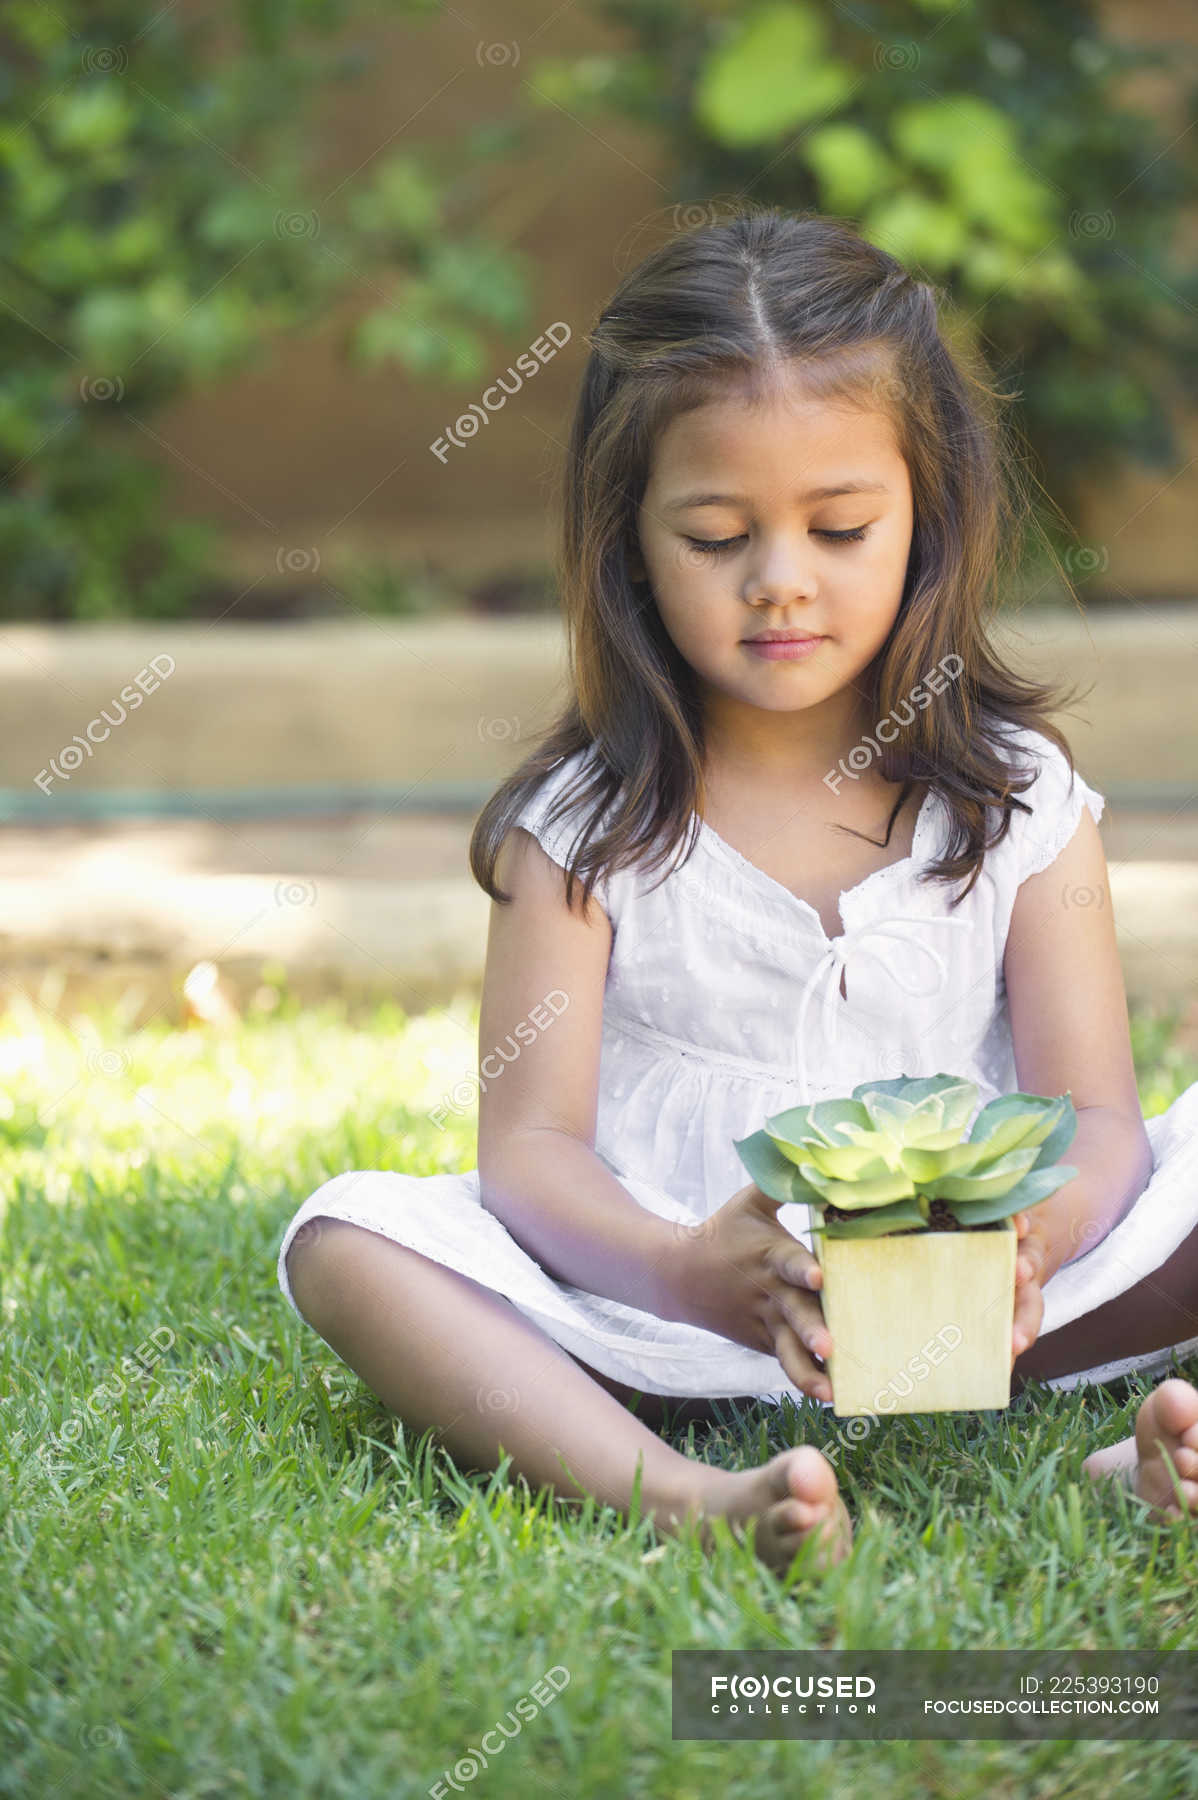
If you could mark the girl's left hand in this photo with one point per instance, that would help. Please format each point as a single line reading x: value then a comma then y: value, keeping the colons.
x: 1031, y: 1253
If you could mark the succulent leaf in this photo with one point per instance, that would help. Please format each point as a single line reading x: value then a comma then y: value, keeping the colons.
x: 888, y: 1112
x: 1036, y: 1185
x: 886, y: 1152
x: 904, y: 1215
x: 934, y: 1140
x: 925, y: 1165
x: 774, y: 1173
x: 958, y: 1099
x: 1012, y: 1121
x: 900, y: 1084
x: 848, y: 1162
x: 916, y: 1087
x: 1060, y: 1137
x: 827, y: 1116
x: 853, y: 1196
x: 792, y: 1124
x: 991, y: 1179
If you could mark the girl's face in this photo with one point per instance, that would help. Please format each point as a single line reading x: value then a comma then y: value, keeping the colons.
x: 736, y: 540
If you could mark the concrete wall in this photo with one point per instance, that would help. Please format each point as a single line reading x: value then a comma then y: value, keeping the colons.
x: 436, y: 701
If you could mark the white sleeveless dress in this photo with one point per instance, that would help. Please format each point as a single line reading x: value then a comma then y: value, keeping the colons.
x: 722, y: 1005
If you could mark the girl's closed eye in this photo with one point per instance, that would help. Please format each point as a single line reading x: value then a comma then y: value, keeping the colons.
x: 717, y: 546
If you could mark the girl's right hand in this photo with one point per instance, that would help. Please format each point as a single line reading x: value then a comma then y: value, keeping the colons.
x: 743, y: 1276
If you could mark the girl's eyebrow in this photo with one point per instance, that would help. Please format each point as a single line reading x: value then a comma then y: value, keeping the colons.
x: 817, y: 493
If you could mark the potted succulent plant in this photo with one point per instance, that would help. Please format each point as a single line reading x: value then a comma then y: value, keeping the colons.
x: 911, y: 1224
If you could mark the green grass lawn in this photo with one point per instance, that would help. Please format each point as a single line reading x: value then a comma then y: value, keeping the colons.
x: 228, y: 1570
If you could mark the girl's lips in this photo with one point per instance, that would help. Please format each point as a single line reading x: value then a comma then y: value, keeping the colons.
x: 782, y: 650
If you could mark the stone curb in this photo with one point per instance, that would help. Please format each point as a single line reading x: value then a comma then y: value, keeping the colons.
x: 419, y: 942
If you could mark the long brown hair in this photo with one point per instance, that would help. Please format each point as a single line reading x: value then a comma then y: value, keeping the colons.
x: 735, y: 301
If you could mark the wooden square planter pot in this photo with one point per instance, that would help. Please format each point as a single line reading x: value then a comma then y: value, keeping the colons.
x: 920, y: 1321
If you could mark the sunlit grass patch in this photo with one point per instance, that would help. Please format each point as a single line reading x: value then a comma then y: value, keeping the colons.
x: 228, y: 1569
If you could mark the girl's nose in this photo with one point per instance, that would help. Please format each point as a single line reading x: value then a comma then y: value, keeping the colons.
x: 779, y: 574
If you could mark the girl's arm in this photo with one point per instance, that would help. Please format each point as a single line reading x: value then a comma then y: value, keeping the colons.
x: 1069, y: 1024
x: 543, y: 988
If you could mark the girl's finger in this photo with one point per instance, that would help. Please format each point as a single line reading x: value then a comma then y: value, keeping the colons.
x: 808, y: 1326
x: 803, y: 1311
x: 801, y: 1274
x: 1029, y: 1310
x: 1030, y: 1259
x: 798, y: 1365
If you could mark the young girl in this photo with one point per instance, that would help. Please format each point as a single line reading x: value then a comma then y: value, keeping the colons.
x: 784, y: 520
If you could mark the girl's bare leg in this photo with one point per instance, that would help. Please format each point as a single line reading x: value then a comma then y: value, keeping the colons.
x: 445, y: 1352
x: 660, y: 1411
x: 1159, y: 1311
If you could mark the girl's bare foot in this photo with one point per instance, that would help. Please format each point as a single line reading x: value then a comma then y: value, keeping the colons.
x: 792, y: 1497
x: 1166, y: 1422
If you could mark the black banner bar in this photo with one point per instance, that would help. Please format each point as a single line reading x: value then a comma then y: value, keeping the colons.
x: 1025, y: 1695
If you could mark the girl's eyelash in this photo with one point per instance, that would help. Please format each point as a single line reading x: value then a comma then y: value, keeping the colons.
x: 716, y: 546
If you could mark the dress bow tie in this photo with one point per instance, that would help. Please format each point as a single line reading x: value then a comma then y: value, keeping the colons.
x: 903, y: 926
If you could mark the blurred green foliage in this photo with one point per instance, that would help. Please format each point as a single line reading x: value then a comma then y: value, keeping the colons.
x: 167, y: 210
x: 984, y: 143
x: 161, y: 222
